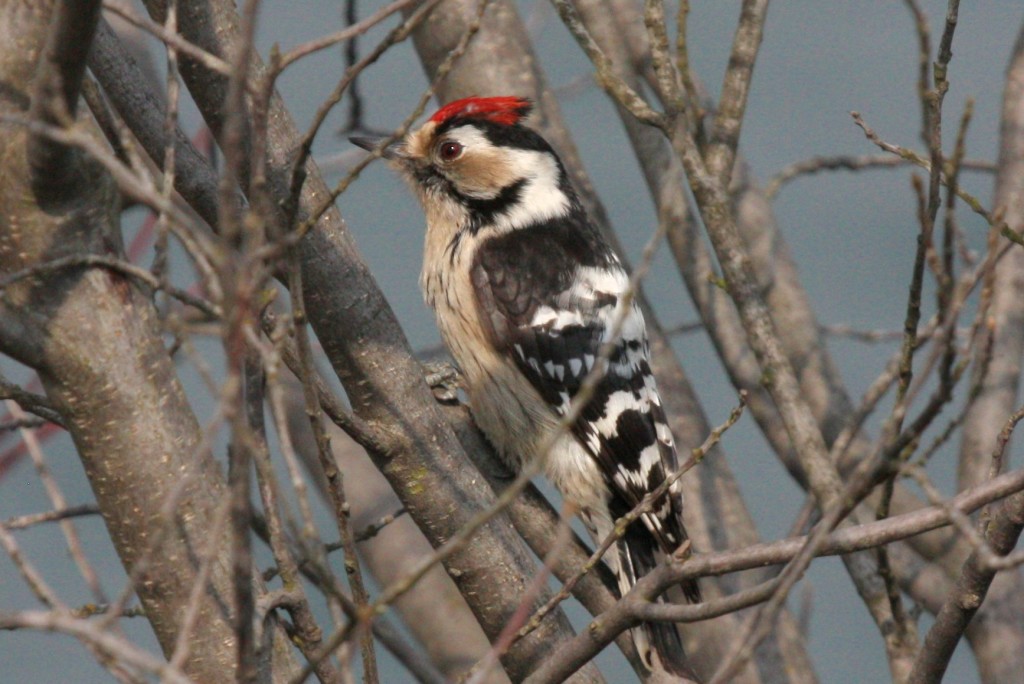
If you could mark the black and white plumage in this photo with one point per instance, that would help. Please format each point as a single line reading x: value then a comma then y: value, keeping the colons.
x: 527, y: 294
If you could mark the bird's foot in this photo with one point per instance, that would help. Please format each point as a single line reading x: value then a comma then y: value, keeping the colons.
x: 444, y: 380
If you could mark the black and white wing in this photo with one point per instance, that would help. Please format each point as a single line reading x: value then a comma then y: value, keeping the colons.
x: 551, y: 295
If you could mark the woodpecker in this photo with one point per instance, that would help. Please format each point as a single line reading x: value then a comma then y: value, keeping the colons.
x: 527, y: 294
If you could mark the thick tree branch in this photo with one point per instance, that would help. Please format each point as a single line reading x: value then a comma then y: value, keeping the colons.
x: 1001, y: 535
x: 101, y: 359
x: 132, y: 94
x: 422, y: 458
x: 55, y: 90
x: 998, y: 639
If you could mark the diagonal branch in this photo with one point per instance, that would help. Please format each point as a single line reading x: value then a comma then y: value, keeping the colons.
x: 422, y: 458
x: 997, y: 640
x: 101, y: 359
x: 1001, y: 536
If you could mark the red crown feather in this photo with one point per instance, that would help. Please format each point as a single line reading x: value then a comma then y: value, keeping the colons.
x: 506, y: 111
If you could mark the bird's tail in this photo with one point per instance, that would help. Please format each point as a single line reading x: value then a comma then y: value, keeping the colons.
x: 660, y: 640
x: 666, y: 645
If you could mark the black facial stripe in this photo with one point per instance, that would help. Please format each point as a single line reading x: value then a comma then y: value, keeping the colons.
x: 427, y: 176
x: 483, y: 212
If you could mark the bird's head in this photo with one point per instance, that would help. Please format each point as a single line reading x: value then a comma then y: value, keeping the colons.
x: 474, y: 163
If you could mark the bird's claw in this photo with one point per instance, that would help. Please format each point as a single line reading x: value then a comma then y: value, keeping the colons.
x: 444, y: 380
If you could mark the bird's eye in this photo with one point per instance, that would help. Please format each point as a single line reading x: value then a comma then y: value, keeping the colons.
x: 450, y: 151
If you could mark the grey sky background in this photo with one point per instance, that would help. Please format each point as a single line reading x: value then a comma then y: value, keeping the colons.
x: 852, y: 236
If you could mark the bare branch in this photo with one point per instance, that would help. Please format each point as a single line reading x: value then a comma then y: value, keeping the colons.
x: 133, y: 96
x: 172, y: 39
x: 720, y: 153
x: 606, y: 75
x: 115, y: 264
x: 904, y: 153
x: 635, y: 605
x: 344, y: 35
x: 820, y: 164
x: 110, y: 644
x: 960, y: 607
x: 29, y: 401
x: 23, y: 521
x: 56, y: 87
x: 103, y: 365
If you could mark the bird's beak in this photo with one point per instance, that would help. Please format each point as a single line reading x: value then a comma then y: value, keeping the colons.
x: 394, y: 151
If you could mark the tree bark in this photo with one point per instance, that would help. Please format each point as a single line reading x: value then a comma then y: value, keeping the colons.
x: 421, y: 457
x: 93, y: 337
x: 997, y: 636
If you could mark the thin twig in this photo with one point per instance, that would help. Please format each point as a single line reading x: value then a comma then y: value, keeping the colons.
x: 916, y: 159
x: 111, y: 645
x: 820, y: 164
x: 329, y: 467
x: 30, y: 401
x: 170, y: 38
x: 22, y: 521
x: 114, y: 264
x: 306, y: 633
x: 57, y: 500
x: 348, y: 33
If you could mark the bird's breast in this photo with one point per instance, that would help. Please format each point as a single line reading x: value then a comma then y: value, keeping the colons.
x: 504, y: 404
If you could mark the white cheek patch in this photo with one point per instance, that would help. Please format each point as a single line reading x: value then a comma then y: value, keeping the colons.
x: 541, y: 199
